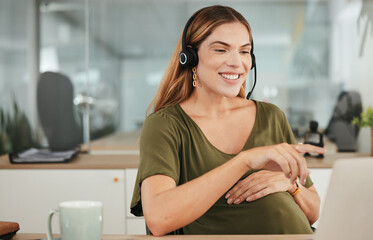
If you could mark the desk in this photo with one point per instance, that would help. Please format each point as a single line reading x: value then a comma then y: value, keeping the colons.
x: 124, y: 161
x: 82, y: 161
x: 120, y: 150
x: 32, y: 236
x: 108, y: 178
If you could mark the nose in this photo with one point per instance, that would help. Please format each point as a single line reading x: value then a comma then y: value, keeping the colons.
x: 234, y: 59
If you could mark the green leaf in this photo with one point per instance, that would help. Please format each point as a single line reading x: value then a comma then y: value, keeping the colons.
x: 365, y: 119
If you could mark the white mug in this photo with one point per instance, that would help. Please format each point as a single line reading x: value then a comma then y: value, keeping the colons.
x: 79, y: 220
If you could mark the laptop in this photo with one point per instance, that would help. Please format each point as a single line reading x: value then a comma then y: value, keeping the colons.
x: 348, y: 209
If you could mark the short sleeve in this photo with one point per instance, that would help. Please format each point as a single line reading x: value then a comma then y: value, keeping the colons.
x: 288, y: 133
x: 159, y: 153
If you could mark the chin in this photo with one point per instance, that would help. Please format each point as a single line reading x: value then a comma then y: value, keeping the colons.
x: 230, y: 94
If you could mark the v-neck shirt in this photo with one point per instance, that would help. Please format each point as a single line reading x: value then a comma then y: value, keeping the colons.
x: 172, y: 144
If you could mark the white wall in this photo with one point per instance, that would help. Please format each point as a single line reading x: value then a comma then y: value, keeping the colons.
x: 140, y: 79
x: 349, y: 65
x: 365, y: 83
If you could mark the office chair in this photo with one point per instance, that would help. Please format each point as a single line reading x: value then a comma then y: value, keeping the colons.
x: 340, y: 129
x: 56, y: 111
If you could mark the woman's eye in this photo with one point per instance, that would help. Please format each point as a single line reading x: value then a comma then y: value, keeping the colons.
x: 245, y: 52
x: 219, y: 50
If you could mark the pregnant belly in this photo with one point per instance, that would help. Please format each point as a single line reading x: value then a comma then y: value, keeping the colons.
x: 274, y: 214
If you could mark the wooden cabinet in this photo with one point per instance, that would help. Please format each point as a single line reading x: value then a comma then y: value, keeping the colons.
x: 27, y: 196
x: 29, y: 191
x: 134, y: 225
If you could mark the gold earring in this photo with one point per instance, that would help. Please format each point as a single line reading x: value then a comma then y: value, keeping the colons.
x: 194, y: 76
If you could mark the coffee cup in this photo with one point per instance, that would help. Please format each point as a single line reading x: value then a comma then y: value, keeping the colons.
x: 79, y: 220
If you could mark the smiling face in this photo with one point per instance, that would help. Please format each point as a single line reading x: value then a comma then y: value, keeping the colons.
x: 224, y: 60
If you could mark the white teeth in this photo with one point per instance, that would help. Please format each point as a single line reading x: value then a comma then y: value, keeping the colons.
x: 232, y: 77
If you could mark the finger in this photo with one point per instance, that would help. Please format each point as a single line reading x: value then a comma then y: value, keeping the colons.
x: 243, y: 188
x: 304, y: 172
x: 260, y: 194
x: 291, y: 155
x: 239, y: 187
x: 303, y: 148
x: 301, y: 161
x: 238, y: 190
x: 272, y: 181
x: 253, y: 190
x: 279, y: 160
x: 232, y: 191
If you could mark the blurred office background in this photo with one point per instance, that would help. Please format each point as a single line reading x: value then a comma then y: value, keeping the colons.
x: 115, y: 52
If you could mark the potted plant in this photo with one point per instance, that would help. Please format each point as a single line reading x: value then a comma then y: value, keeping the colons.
x: 366, y: 120
x: 15, y: 131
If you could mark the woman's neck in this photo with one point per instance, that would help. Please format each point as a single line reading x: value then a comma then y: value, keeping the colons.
x: 201, y: 105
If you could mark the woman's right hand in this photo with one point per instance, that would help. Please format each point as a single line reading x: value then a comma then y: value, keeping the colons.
x: 282, y: 157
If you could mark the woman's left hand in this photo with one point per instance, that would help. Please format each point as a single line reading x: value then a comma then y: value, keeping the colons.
x: 258, y: 185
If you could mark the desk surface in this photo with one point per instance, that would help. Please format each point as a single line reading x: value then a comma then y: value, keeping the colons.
x: 32, y: 236
x: 83, y: 161
x: 121, y: 150
x: 123, y: 161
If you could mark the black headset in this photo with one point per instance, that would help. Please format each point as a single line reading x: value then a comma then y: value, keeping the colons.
x: 188, y: 56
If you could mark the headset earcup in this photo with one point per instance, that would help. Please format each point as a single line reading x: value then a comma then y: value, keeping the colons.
x: 188, y: 57
x: 194, y: 59
x: 183, y: 58
x: 253, y: 62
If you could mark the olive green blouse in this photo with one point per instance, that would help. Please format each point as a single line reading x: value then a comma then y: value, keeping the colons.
x: 172, y: 144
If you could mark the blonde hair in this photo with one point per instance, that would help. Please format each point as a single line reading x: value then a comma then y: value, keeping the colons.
x: 176, y: 85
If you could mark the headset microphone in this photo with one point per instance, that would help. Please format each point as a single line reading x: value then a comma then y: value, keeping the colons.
x: 249, y: 94
x: 253, y: 65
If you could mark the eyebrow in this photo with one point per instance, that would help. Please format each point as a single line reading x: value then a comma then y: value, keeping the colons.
x: 226, y: 44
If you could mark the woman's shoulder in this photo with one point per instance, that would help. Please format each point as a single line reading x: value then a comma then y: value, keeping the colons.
x: 267, y: 107
x: 163, y: 117
x: 171, y: 111
x: 163, y: 124
x: 269, y: 110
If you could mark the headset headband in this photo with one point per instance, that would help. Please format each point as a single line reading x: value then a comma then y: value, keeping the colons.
x: 183, y: 40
